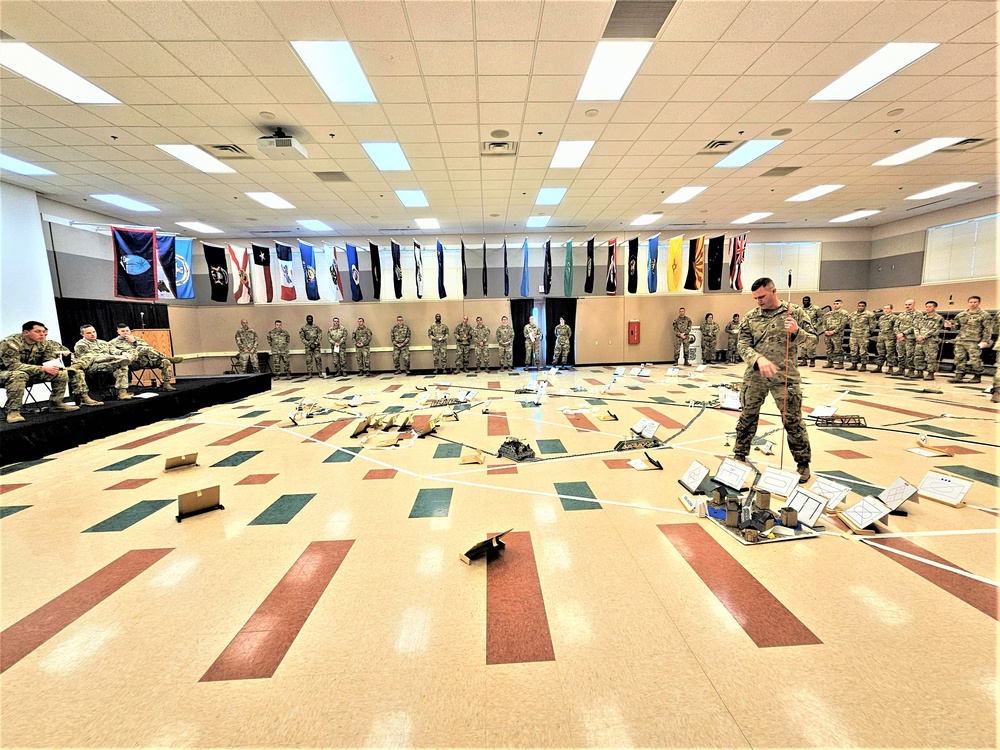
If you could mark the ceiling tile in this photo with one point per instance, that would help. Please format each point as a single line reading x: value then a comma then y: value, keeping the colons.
x: 393, y: 89
x: 649, y: 88
x: 304, y: 20
x: 268, y: 58
x: 84, y: 59
x: 547, y: 112
x: 507, y: 115
x: 294, y: 90
x: 458, y: 113
x: 447, y: 58
x: 240, y: 90
x: 730, y: 58
x: 387, y: 58
x: 451, y: 88
x: 675, y: 58
x: 408, y: 114
x: 187, y: 90
x: 146, y: 58
x: 166, y: 21
x: 236, y: 20
x: 706, y: 20
x: 703, y: 88
x: 502, y: 88
x: 890, y: 20
x: 441, y: 20
x: 507, y: 19
x: 373, y: 21
x: 30, y: 22
x: 826, y: 21
x: 504, y: 58
x: 207, y: 58
x: 554, y: 88
x: 574, y: 19
x: 763, y: 20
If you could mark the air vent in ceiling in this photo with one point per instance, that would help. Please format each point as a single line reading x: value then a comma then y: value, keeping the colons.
x: 290, y: 232
x: 714, y: 148
x: 498, y: 148
x: 398, y: 230
x: 566, y: 227
x: 925, y: 205
x: 227, y: 151
x: 332, y: 176
x: 637, y: 19
x: 780, y: 171
x: 968, y: 144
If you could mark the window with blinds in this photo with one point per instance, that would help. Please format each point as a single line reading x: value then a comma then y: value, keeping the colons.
x: 775, y: 259
x: 964, y: 250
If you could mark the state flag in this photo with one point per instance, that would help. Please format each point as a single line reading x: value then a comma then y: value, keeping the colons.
x: 737, y: 254
x: 354, y: 273
x: 397, y: 269
x: 713, y: 268
x: 218, y: 272
x: 440, y: 258
x: 568, y: 270
x: 632, y: 283
x: 547, y: 267
x: 612, y: 286
x: 524, y: 270
x: 696, y: 263
x: 166, y: 273
x: 654, y: 255
x: 284, y: 253
x: 418, y: 267
x: 588, y: 282
x: 485, y: 281
x: 135, y: 263
x: 241, y: 274
x: 506, y: 274
x: 308, y: 255
x: 184, y: 282
x: 465, y: 276
x: 376, y: 259
x: 262, y: 271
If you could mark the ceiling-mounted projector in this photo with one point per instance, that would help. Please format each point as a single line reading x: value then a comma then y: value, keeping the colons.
x: 281, y: 146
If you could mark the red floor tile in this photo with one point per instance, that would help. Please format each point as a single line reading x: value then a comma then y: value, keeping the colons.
x: 157, y: 436
x: 893, y: 409
x: 336, y: 391
x: 593, y: 381
x: 501, y: 469
x: 659, y: 417
x: 960, y: 450
x: 391, y: 388
x: 256, y: 479
x: 581, y: 423
x: 847, y: 454
x: 496, y: 424
x: 328, y: 431
x: 493, y: 384
x: 130, y: 484
x: 380, y: 474
x: 5, y: 488
x: 285, y: 393
x: 617, y: 463
x: 245, y: 433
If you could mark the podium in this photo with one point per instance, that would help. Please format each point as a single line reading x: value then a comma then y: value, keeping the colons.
x: 159, y: 339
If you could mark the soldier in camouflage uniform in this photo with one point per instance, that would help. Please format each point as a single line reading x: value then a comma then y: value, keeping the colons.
x: 246, y: 348
x: 560, y: 355
x: 833, y: 330
x: 94, y: 355
x: 363, y: 348
x: 21, y: 365
x: 505, y: 340
x: 973, y: 326
x: 143, y: 354
x: 400, y: 338
x: 279, y: 340
x: 762, y: 346
x: 807, y: 350
x: 532, y: 344
x: 481, y: 343
x: 927, y: 331
x: 438, y: 334
x: 709, y: 337
x: 338, y: 344
x: 682, y: 333
x: 906, y: 341
x: 312, y: 339
x: 995, y: 398
x: 885, y: 345
x: 862, y: 325
x: 463, y: 338
x: 732, y: 339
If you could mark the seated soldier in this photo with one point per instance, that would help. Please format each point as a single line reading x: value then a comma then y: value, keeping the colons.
x: 141, y: 355
x: 94, y: 355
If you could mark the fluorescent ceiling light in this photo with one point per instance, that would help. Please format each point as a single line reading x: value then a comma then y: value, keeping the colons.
x: 550, y: 196
x: 646, y: 219
x: 270, y: 200
x: 612, y: 69
x: 315, y: 225
x: 891, y: 58
x: 684, y: 194
x: 122, y: 202
x: 915, y: 152
x: 412, y: 198
x: 388, y: 157
x: 853, y: 216
x: 46, y: 72
x: 197, y: 226
x: 535, y: 222
x: 196, y: 158
x: 428, y: 223
x: 811, y: 193
x: 570, y: 154
x: 336, y: 70
x: 747, y: 153
x: 22, y: 167
x: 951, y: 187
x: 751, y: 218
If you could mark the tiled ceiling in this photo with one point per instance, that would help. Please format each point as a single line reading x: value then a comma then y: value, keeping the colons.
x: 447, y: 73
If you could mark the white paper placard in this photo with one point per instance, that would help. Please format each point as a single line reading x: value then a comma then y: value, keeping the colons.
x: 808, y: 505
x: 834, y: 492
x: 897, y: 493
x: 778, y: 482
x: 944, y: 488
x: 734, y: 474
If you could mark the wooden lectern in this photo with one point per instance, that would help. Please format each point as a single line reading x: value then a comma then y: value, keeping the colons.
x: 159, y: 339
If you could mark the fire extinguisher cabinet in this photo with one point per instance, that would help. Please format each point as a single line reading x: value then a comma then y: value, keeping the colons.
x: 633, y: 331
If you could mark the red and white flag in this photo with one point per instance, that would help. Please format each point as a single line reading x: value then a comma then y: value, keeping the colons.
x: 241, y: 279
x: 737, y: 254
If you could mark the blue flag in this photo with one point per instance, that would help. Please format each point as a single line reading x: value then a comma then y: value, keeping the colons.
x: 183, y: 250
x: 506, y: 277
x: 524, y: 273
x: 354, y: 273
x: 135, y: 263
x: 547, y: 267
x: 440, y: 255
x: 308, y: 253
x: 165, y: 272
x: 654, y: 251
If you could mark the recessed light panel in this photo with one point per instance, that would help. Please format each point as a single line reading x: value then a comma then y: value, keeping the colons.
x: 550, y: 196
x: 646, y: 219
x: 751, y: 218
x: 47, y: 73
x: 684, y: 194
x: 412, y: 198
x: 314, y: 225
x: 943, y: 190
x: 428, y: 223
x: 853, y: 216
x: 337, y: 71
x: 270, y: 200
x: 122, y: 202
x: 812, y: 193
x: 11, y: 164
x: 748, y: 152
x: 197, y: 226
x: 196, y: 158
x: 388, y: 157
x: 612, y: 69
x: 891, y: 58
x: 570, y: 154
x: 915, y: 152
x: 536, y: 222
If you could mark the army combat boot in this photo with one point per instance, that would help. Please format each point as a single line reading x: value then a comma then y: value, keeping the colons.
x: 957, y: 377
x: 850, y: 367
x: 928, y: 375
x: 60, y: 406
x: 123, y: 394
x: 86, y: 400
x: 804, y: 474
x: 976, y: 378
x: 14, y: 416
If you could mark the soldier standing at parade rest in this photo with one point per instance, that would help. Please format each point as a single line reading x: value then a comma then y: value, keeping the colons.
x: 246, y: 348
x: 363, y: 348
x: 927, y: 331
x: 906, y: 341
x: 22, y: 363
x: 505, y: 340
x: 438, y: 334
x: 143, y: 355
x: 563, y: 335
x: 995, y: 398
x: 732, y: 331
x: 312, y: 338
x: 973, y: 326
x: 682, y: 331
x: 279, y: 340
x: 807, y: 352
x: 400, y: 338
x: 709, y: 337
x: 885, y: 345
x: 768, y: 331
x: 94, y: 355
x: 463, y: 338
x: 338, y: 343
x: 481, y: 342
x: 833, y: 329
x: 532, y: 344
x: 862, y: 324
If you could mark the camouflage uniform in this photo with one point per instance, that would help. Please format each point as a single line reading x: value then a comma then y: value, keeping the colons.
x: 973, y: 328
x: 563, y: 333
x: 144, y: 355
x: 312, y: 339
x: 763, y: 333
x: 338, y: 345
x: 463, y: 337
x: 885, y: 345
x: 709, y: 337
x: 20, y: 368
x: 532, y: 349
x: 363, y: 352
x: 481, y: 340
x: 400, y: 334
x: 98, y: 356
x: 438, y: 334
x: 906, y: 347
x: 246, y: 347
x: 807, y: 350
x: 505, y: 340
x: 279, y: 340
x: 681, y: 326
x: 732, y: 330
x: 835, y: 320
x: 925, y: 358
x: 862, y: 324
x: 996, y: 347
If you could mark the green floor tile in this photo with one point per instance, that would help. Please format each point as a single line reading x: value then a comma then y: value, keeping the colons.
x: 253, y: 414
x: 662, y: 400
x: 596, y: 401
x: 975, y: 474
x: 431, y: 503
x: 857, y: 484
x: 343, y: 455
x: 23, y: 465
x: 126, y: 463
x: 282, y: 510
x: 130, y: 516
x: 847, y: 434
x: 392, y: 409
x: 448, y: 450
x: 943, y: 431
x: 290, y: 400
x: 9, y: 510
x: 409, y: 395
x: 240, y: 457
x: 569, y: 492
x: 551, y: 446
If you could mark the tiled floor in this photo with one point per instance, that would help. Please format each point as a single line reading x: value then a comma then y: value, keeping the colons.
x: 321, y: 610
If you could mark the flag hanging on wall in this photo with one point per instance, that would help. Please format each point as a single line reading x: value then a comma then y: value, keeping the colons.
x: 524, y: 271
x: 485, y: 282
x: 335, y: 275
x: 308, y: 254
x: 675, y: 262
x: 166, y: 275
x: 418, y: 265
x: 654, y: 254
x: 440, y: 257
x: 612, y: 285
x: 633, y: 265
x: 284, y: 253
x: 397, y: 269
x: 241, y: 274
x: 568, y: 270
x: 465, y: 274
x: 506, y: 276
x: 713, y: 267
x: 135, y: 263
x: 354, y: 273
x: 737, y: 254
x: 696, y: 263
x: 262, y: 264
x: 376, y: 259
x: 588, y: 283
x: 547, y: 267
x: 184, y: 283
x: 218, y: 272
